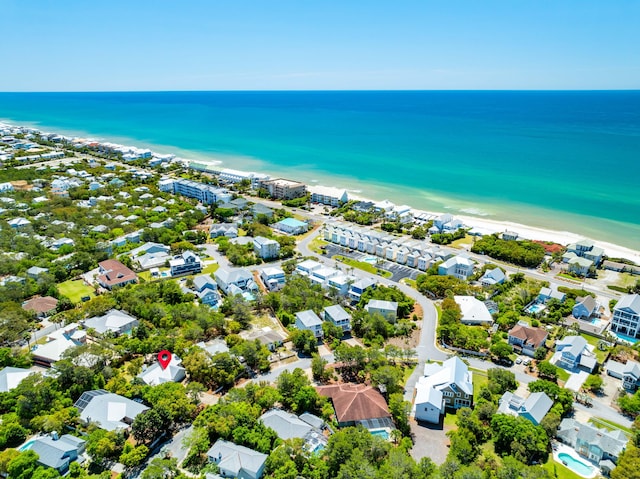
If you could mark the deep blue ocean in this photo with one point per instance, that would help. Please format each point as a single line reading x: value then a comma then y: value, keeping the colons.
x: 562, y: 160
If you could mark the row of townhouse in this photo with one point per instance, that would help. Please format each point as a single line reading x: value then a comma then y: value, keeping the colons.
x: 413, y: 253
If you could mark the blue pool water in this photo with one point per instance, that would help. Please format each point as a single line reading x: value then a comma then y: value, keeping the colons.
x: 576, y: 465
x: 26, y: 446
x: 370, y: 259
x: 624, y: 337
x: 535, y: 308
x: 381, y: 433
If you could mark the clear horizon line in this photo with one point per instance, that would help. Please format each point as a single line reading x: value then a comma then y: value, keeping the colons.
x: 332, y: 90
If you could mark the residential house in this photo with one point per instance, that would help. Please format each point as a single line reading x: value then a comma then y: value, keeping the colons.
x: 328, y: 195
x: 233, y: 280
x: 57, y: 343
x: 290, y: 426
x: 473, y: 310
x: 157, y: 374
x: 112, y: 274
x: 34, y: 272
x: 358, y: 404
x: 267, y: 336
x: 340, y: 283
x: 57, y: 452
x: 321, y: 275
x: 388, y: 309
x: 206, y: 290
x: 235, y: 461
x: 18, y: 223
x: 260, y: 209
x: 230, y: 230
x: 214, y: 347
x: 579, y: 266
x: 307, y: 267
x: 527, y: 338
x: 10, y: 377
x: 595, y: 444
x: 492, y: 277
x: 510, y: 236
x: 113, y: 321
x: 459, y: 266
x: 109, y: 411
x: 359, y: 287
x: 585, y: 308
x: 43, y: 306
x: 338, y: 316
x: 273, y: 278
x: 534, y: 408
x: 584, y: 249
x: 186, y: 263
x: 266, y: 248
x: 629, y: 372
x: 454, y: 385
x: 291, y: 226
x: 445, y: 224
x: 310, y: 321
x: 573, y: 352
x: 626, y: 316
x: 551, y: 292
x: 150, y: 255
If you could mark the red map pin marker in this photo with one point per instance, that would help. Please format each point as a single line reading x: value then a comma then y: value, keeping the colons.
x: 164, y: 358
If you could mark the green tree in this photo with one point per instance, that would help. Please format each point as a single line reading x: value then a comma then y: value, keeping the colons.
x: 593, y: 383
x: 547, y: 370
x: 134, y: 456
x: 304, y: 341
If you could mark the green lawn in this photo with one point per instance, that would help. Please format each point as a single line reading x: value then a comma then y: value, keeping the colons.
x: 210, y: 268
x: 316, y: 245
x: 450, y: 422
x: 569, y: 277
x: 556, y: 469
x: 467, y: 240
x: 410, y: 282
x: 368, y: 267
x: 600, y: 355
x: 563, y: 375
x: 480, y: 379
x: 75, y: 290
x: 609, y: 425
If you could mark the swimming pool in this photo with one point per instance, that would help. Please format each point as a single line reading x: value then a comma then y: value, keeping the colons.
x: 381, y: 433
x: 26, y: 446
x: 629, y: 339
x: 370, y: 259
x: 576, y: 465
x: 536, y: 308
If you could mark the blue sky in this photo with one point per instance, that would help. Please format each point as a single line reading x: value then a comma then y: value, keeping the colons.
x: 70, y: 45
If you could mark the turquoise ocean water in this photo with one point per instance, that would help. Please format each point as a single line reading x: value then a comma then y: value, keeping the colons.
x: 567, y: 161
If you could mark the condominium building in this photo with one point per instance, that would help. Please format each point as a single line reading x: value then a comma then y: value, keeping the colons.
x: 283, y: 189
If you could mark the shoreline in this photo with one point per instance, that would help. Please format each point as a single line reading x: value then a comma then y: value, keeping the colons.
x: 483, y: 221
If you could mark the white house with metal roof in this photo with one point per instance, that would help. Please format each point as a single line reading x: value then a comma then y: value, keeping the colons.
x: 534, y: 408
x: 338, y: 316
x: 310, y: 321
x: 156, y: 374
x: 114, y: 321
x: 626, y: 316
x: 388, y: 309
x: 110, y: 411
x: 237, y: 461
x: 473, y: 310
x: 10, y: 377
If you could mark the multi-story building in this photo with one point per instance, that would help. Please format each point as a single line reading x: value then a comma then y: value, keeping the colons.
x: 310, y: 321
x: 338, y: 316
x: 283, y: 189
x: 266, y: 248
x: 186, y: 263
x: 205, y: 194
x: 626, y: 316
